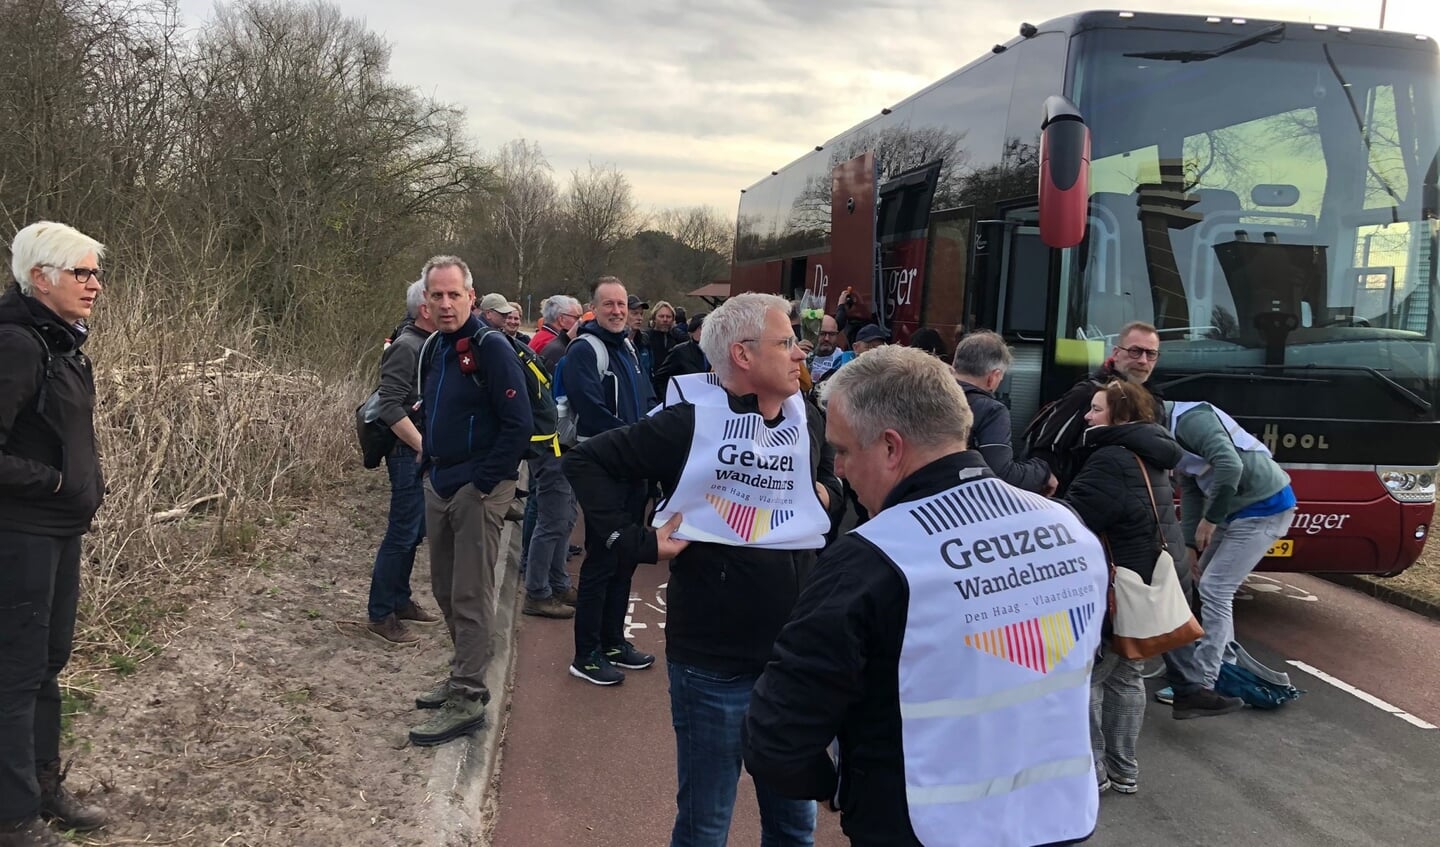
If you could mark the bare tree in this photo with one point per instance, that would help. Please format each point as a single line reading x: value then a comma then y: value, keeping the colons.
x: 524, y: 211
x: 599, y: 213
x: 707, y: 237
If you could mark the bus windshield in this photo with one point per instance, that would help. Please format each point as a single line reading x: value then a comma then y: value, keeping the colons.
x: 1268, y: 202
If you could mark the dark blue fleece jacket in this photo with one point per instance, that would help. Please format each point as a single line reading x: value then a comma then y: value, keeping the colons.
x: 620, y: 396
x: 477, y: 426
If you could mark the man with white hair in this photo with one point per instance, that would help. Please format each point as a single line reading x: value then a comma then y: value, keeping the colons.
x: 559, y: 323
x: 51, y: 485
x: 749, y: 494
x: 946, y: 643
x: 391, y: 605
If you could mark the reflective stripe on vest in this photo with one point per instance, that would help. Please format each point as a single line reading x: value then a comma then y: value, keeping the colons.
x: 1006, y: 595
x: 744, y: 483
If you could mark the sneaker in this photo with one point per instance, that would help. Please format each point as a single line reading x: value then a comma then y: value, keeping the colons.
x: 1106, y: 785
x: 547, y: 607
x: 597, y: 669
x: 435, y: 697
x: 459, y: 716
x: 1123, y: 785
x: 1204, y: 703
x: 390, y: 629
x: 626, y: 656
x: 1165, y: 695
x: 569, y: 596
x: 414, y: 613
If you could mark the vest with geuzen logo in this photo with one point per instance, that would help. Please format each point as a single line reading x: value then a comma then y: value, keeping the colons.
x: 744, y: 483
x: 1006, y: 596
x: 1198, y: 466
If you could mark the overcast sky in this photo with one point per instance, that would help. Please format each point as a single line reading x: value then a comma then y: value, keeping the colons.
x: 696, y: 99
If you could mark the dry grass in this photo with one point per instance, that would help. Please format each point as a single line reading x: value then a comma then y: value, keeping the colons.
x: 188, y: 408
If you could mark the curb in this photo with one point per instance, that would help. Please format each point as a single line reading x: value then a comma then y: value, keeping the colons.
x: 463, y: 769
x: 1384, y: 593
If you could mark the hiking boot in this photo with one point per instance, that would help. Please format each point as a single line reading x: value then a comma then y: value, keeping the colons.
x: 569, y: 596
x: 1165, y: 695
x: 459, y: 716
x: 547, y: 607
x: 435, y: 697
x: 29, y: 833
x: 596, y: 669
x: 1204, y: 703
x: 391, y: 630
x: 626, y: 656
x: 415, y: 613
x: 59, y: 805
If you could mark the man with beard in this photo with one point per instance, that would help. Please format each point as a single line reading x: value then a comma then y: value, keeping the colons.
x: 827, y: 356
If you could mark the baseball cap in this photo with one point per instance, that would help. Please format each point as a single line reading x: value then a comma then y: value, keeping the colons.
x: 496, y: 303
x: 637, y: 303
x: 694, y: 322
x: 872, y: 332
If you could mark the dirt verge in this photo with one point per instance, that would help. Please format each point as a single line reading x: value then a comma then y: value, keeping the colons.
x: 1420, y: 581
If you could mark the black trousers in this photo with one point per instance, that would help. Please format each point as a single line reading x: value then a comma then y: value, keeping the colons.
x: 39, y: 589
x: 603, y: 596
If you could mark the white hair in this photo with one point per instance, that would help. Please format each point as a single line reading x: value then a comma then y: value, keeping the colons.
x: 414, y: 296
x: 448, y: 262
x: 905, y: 389
x: 50, y: 245
x: 739, y: 318
x: 556, y: 305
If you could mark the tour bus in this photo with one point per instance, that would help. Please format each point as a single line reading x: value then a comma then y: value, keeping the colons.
x: 1262, y: 192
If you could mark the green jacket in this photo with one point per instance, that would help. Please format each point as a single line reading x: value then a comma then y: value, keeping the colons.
x: 1241, y: 477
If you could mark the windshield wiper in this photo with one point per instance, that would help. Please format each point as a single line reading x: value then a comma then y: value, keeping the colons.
x: 1395, y: 388
x: 1269, y: 33
x: 1168, y: 384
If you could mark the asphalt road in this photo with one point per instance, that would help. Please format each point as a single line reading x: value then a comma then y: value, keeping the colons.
x: 589, y: 766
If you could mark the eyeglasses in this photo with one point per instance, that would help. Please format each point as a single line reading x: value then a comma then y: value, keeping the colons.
x: 830, y: 332
x: 82, y: 275
x: 788, y: 343
x: 1142, y: 353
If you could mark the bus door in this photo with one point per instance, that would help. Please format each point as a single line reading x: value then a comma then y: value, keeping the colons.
x: 1011, y: 293
x: 904, y: 220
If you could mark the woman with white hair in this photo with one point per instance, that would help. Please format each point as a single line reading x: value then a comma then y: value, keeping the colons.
x: 50, y: 489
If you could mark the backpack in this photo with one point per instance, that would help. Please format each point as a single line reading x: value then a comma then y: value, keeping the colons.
x: 567, y: 419
x: 376, y: 439
x: 1030, y: 439
x: 1259, y: 686
x: 537, y: 385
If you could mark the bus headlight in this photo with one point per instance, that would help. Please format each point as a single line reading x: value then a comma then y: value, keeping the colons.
x: 1409, y: 484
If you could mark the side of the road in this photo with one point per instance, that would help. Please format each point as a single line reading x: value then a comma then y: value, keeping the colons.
x: 1416, y: 589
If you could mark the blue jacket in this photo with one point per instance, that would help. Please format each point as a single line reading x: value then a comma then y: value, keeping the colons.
x: 622, y: 396
x: 476, y: 430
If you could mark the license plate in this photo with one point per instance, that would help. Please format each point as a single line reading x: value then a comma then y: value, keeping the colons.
x: 1282, y: 549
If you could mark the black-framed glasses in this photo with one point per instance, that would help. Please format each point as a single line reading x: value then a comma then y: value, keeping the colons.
x: 82, y: 275
x: 788, y: 343
x: 829, y: 332
x: 1138, y: 352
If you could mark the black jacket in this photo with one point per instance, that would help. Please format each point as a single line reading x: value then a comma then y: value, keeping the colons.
x: 43, y: 448
x: 1059, y: 426
x: 399, y: 395
x: 724, y: 605
x: 661, y: 343
x: 1110, y: 496
x: 834, y: 674
x: 990, y: 434
x: 685, y: 358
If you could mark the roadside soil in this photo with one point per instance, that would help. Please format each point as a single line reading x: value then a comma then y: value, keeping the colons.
x: 270, y: 717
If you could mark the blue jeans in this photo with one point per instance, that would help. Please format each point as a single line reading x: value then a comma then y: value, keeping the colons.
x: 390, y: 578
x: 1234, y: 551
x: 707, y: 709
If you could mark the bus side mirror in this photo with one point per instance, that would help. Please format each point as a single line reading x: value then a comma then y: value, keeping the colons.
x: 1064, y: 174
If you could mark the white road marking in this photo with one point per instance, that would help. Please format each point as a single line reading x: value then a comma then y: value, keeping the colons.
x: 1363, y: 695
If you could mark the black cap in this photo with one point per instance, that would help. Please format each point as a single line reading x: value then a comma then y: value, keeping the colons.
x: 872, y: 332
x: 694, y: 322
x: 637, y: 303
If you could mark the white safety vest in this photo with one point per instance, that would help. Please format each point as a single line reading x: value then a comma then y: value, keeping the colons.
x: 1198, y: 466
x: 1007, y: 594
x: 744, y: 483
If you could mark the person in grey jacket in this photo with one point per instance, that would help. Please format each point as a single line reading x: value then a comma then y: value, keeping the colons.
x: 390, y: 604
x: 981, y: 360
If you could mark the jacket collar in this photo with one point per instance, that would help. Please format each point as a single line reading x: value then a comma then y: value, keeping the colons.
x: 940, y: 475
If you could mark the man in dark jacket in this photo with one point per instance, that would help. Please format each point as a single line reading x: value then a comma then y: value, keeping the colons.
x: 390, y: 602
x: 750, y: 489
x: 477, y: 429
x: 981, y: 360
x: 604, y: 402
x: 50, y: 488
x: 685, y: 358
x: 1057, y: 429
x: 946, y: 643
x: 664, y: 335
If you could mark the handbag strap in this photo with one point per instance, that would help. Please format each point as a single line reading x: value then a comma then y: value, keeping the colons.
x: 1154, y: 510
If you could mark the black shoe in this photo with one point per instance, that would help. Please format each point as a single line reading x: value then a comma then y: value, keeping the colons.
x: 574, y: 551
x: 597, y: 669
x: 1203, y: 703
x: 626, y: 656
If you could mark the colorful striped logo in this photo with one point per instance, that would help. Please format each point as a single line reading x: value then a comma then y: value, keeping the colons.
x: 1039, y: 643
x: 749, y: 522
